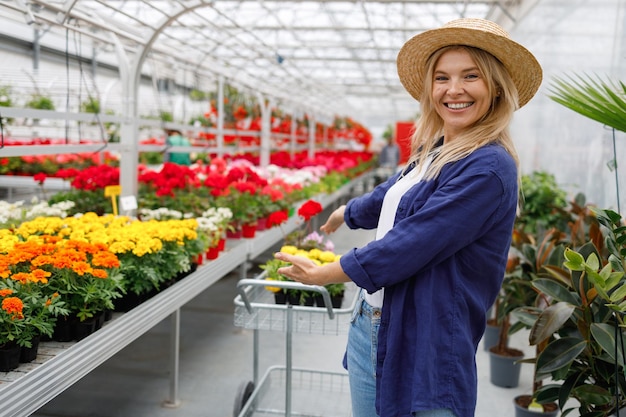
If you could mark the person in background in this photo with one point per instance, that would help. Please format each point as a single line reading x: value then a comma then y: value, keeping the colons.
x: 388, y: 160
x: 176, y: 138
x: 443, y: 227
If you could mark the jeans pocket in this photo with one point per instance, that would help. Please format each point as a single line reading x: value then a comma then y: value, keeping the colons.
x: 357, y: 310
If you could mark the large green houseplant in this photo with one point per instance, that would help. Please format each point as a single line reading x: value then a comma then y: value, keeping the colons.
x: 585, y: 325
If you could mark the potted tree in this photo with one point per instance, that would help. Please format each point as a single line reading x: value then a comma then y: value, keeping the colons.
x: 584, y: 325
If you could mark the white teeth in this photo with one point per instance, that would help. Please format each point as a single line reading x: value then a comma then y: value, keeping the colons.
x: 458, y: 105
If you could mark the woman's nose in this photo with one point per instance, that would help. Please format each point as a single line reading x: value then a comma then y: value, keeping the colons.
x: 455, y: 87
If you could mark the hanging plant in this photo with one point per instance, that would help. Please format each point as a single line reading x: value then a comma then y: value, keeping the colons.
x: 40, y: 102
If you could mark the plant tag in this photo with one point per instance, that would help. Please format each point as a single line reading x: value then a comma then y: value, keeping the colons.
x: 535, y: 406
x: 128, y: 202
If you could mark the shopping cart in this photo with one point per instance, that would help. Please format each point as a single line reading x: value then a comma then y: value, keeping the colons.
x: 283, y: 387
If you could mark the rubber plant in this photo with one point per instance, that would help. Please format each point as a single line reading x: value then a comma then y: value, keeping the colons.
x: 584, y: 323
x: 534, y: 261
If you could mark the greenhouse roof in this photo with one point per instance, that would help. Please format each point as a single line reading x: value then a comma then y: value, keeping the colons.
x: 326, y: 57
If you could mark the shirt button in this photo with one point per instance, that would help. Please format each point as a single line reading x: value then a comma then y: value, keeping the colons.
x: 376, y: 313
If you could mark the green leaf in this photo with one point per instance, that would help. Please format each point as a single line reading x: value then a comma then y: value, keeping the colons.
x: 550, y: 321
x: 555, y: 290
x: 604, y: 334
x: 560, y: 353
x: 593, y: 394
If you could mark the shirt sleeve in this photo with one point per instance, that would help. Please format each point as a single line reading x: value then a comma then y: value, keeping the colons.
x: 460, y: 210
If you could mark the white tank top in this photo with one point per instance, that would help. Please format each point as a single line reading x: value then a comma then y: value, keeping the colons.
x: 388, y: 215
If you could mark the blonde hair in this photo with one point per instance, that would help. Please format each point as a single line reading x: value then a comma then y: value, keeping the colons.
x: 493, y: 127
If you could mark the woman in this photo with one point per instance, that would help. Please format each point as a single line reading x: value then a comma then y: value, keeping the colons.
x: 444, y: 227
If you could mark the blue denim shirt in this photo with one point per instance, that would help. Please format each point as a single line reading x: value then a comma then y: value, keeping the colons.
x: 442, y: 266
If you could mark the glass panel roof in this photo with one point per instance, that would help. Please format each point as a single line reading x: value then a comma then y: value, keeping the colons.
x: 322, y: 57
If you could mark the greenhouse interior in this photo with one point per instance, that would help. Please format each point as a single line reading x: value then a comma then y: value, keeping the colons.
x: 155, y: 155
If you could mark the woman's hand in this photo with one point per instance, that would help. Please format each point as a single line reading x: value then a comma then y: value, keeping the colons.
x: 301, y: 268
x: 334, y: 220
x: 308, y: 272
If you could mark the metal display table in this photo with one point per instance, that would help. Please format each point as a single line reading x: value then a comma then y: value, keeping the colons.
x: 30, y: 386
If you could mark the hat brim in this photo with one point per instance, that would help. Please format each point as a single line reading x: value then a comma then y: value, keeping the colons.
x: 518, y: 61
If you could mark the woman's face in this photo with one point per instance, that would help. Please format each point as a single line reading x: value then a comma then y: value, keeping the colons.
x: 460, y: 94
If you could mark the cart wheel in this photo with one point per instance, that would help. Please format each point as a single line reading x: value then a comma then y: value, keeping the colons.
x: 243, y: 395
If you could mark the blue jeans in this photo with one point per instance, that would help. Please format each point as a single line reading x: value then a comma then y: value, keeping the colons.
x: 361, y: 361
x: 361, y: 358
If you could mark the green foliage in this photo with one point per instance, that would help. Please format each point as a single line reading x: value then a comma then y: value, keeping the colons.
x: 543, y: 203
x: 586, y: 301
x: 602, y: 101
x: 388, y: 133
x: 40, y: 102
x: 166, y: 116
x: 85, y: 201
x: 151, y: 158
x: 92, y: 105
x: 197, y: 95
x: 5, y: 96
x: 203, y: 121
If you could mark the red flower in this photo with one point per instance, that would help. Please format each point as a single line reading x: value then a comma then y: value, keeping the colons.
x: 309, y: 209
x: 276, y: 218
x: 40, y: 178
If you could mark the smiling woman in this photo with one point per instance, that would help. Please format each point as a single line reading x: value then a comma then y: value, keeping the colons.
x: 463, y: 166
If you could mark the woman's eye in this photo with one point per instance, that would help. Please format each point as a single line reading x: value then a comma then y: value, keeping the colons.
x: 440, y: 78
x: 471, y: 76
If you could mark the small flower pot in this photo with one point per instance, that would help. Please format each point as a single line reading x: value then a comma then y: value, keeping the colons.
x: 248, y: 231
x: 280, y: 297
x: 212, y: 253
x: 505, y: 368
x: 221, y: 245
x: 490, y: 338
x: 29, y: 354
x: 521, y: 403
x: 261, y: 224
x: 9, y: 357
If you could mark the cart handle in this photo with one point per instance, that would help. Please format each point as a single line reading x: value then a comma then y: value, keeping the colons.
x: 290, y: 285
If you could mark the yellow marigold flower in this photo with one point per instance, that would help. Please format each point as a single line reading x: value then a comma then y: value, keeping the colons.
x: 315, y: 253
x: 289, y: 249
x: 337, y: 257
x: 272, y: 289
x: 327, y: 256
x: 317, y: 261
x: 303, y: 253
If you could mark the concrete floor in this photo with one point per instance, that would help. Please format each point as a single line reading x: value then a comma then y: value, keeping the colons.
x: 216, y: 359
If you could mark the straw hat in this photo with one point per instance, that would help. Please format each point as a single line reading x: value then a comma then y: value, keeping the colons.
x: 479, y: 33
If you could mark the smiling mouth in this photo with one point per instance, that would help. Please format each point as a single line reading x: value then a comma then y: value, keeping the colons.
x: 458, y: 106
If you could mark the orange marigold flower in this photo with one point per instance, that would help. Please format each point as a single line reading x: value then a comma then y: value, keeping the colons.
x: 22, y: 277
x: 5, y: 291
x: 39, y: 275
x: 13, y: 306
x: 99, y: 273
x: 81, y: 268
x: 105, y: 260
